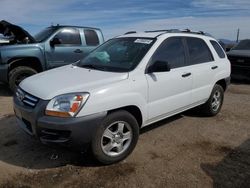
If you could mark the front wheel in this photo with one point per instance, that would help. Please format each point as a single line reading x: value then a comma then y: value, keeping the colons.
x: 18, y: 74
x: 215, y: 101
x: 116, y: 137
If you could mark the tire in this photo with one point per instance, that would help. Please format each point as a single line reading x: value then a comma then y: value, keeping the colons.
x: 18, y: 74
x: 213, y: 105
x: 111, y: 144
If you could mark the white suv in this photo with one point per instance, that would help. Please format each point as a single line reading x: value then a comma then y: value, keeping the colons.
x: 127, y: 83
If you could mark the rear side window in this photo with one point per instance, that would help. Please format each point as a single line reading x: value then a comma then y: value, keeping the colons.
x: 69, y: 36
x: 91, y: 37
x: 198, y: 51
x: 218, y: 49
x: 171, y: 51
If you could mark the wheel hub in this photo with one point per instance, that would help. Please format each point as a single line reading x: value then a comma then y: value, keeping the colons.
x: 116, y: 138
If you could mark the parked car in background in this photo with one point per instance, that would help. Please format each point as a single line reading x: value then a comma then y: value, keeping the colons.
x: 127, y: 83
x: 25, y: 55
x: 239, y: 57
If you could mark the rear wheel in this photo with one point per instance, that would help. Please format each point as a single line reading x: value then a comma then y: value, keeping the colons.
x: 214, y: 103
x: 18, y: 74
x: 116, y: 138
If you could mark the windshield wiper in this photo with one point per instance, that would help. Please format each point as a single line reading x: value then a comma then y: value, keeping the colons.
x: 90, y: 66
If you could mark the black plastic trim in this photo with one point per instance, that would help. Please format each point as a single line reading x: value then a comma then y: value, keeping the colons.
x: 48, y: 129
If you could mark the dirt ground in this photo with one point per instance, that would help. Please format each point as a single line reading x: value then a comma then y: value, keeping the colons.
x: 183, y: 151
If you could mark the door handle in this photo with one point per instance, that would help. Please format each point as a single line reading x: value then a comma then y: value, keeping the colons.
x: 78, y: 51
x: 186, y: 74
x: 214, y: 67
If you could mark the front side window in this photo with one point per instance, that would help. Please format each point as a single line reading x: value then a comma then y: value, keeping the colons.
x: 171, y: 51
x: 69, y: 36
x: 91, y: 37
x: 118, y: 55
x: 198, y: 51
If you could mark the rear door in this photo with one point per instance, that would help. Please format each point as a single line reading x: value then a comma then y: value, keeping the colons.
x: 203, y: 66
x: 169, y: 92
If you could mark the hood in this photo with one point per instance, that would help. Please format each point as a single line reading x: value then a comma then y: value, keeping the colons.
x: 241, y: 53
x: 68, y: 79
x: 10, y: 30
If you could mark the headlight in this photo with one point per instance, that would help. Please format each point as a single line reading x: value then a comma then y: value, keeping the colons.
x: 67, y: 105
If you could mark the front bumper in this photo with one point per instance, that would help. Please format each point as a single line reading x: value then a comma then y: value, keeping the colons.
x: 4, y: 73
x: 75, y: 131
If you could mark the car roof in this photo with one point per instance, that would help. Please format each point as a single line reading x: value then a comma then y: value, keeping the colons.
x: 63, y: 26
x: 157, y: 33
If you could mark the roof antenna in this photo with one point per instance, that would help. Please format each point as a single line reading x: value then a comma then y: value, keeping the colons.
x: 238, y: 33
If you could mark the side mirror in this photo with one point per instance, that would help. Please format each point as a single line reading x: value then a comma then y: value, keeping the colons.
x: 159, y: 66
x: 55, y: 41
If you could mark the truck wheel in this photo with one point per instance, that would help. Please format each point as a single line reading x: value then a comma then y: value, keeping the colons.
x: 115, y: 138
x: 214, y: 103
x: 18, y: 74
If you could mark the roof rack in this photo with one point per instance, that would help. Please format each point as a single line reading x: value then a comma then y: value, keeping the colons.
x: 179, y: 31
x: 163, y: 30
x: 194, y: 32
x: 129, y: 32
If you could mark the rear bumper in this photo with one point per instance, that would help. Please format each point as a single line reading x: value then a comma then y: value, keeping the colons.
x: 4, y: 73
x: 75, y: 131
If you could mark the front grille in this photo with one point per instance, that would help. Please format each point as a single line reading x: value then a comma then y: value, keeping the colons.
x: 26, y: 98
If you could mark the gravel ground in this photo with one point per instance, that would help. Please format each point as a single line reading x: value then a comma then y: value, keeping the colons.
x: 183, y: 151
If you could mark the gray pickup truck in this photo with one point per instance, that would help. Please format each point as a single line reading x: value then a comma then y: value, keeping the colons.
x: 24, y: 55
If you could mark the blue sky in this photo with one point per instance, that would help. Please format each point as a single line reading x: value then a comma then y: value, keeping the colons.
x: 221, y: 18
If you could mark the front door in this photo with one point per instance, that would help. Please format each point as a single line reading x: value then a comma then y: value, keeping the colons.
x: 169, y: 92
x: 69, y: 50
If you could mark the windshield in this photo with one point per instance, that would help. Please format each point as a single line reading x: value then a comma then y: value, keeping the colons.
x: 44, y: 34
x: 243, y: 45
x: 118, y: 55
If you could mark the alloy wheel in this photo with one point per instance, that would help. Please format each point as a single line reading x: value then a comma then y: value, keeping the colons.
x: 216, y: 101
x: 116, y: 138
